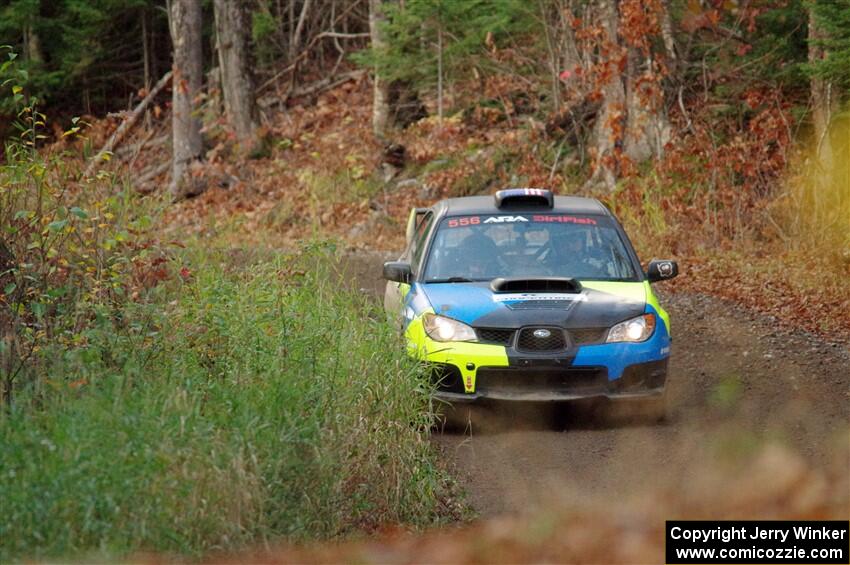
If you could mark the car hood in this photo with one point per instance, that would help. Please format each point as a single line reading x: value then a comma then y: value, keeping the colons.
x: 599, y: 304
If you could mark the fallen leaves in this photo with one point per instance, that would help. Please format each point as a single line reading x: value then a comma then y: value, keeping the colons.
x: 799, y: 290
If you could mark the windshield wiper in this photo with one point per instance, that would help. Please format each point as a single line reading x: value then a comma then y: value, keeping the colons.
x: 451, y: 280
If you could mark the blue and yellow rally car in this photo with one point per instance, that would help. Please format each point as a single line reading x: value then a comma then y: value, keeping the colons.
x: 530, y: 296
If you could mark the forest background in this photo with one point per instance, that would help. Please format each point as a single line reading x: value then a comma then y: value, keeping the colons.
x: 146, y: 141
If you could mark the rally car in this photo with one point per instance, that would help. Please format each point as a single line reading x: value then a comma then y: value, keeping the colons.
x: 528, y: 296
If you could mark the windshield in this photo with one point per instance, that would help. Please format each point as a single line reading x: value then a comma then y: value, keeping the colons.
x: 483, y: 247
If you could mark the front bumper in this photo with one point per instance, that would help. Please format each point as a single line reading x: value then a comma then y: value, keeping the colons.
x: 469, y: 371
x: 550, y: 382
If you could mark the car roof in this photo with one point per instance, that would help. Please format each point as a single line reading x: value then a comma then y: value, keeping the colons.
x: 487, y: 205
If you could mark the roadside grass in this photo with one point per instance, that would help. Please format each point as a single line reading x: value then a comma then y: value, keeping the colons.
x: 237, y: 406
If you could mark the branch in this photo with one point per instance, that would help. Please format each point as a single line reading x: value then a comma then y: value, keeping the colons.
x: 341, y: 35
x: 141, y: 184
x: 296, y: 36
x: 306, y: 51
x: 118, y: 136
x: 312, y: 88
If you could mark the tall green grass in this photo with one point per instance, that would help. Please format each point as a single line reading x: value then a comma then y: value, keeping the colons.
x: 812, y: 212
x: 244, y: 404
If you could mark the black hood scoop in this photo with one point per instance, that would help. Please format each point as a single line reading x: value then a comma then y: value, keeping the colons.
x: 539, y: 284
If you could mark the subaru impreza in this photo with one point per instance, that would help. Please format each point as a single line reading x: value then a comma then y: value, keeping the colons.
x: 528, y: 296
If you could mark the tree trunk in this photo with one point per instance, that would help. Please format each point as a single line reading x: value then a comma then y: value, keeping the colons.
x: 146, y: 51
x: 632, y: 125
x: 824, y: 97
x: 32, y: 45
x: 570, y: 55
x: 667, y: 36
x: 186, y: 127
x: 647, y: 128
x: 380, y: 95
x: 549, y: 31
x: 440, y: 71
x: 234, y: 55
x: 295, y: 37
x: 610, y: 124
x: 394, y: 103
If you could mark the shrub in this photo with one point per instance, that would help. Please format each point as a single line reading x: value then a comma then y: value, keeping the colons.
x: 260, y: 402
x: 70, y: 252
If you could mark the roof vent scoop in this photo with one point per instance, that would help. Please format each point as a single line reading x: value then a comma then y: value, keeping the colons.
x: 525, y: 198
x: 540, y: 284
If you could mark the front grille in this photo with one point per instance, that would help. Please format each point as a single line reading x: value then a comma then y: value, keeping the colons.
x: 555, y: 341
x: 491, y: 335
x: 577, y: 380
x: 588, y: 335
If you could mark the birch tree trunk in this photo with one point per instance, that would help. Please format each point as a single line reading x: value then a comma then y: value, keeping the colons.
x: 824, y: 98
x: 380, y: 95
x: 185, y: 24
x: 234, y: 55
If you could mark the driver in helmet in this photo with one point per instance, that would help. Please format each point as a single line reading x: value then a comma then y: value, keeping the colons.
x: 570, y: 255
x: 480, y: 256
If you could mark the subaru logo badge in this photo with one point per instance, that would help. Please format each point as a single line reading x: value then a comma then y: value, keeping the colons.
x: 542, y: 334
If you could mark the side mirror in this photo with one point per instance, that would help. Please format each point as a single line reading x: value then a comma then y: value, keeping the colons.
x: 662, y: 270
x: 397, y: 271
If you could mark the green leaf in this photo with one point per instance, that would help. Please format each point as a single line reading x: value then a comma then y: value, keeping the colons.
x: 58, y: 292
x: 57, y: 225
x: 9, y: 289
x: 80, y: 213
x: 38, y: 309
x: 145, y: 222
x: 23, y: 214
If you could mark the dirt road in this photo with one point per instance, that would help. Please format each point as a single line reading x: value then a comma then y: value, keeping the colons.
x: 737, y: 380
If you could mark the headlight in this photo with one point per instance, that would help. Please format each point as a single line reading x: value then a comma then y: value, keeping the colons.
x: 636, y: 329
x: 440, y: 328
